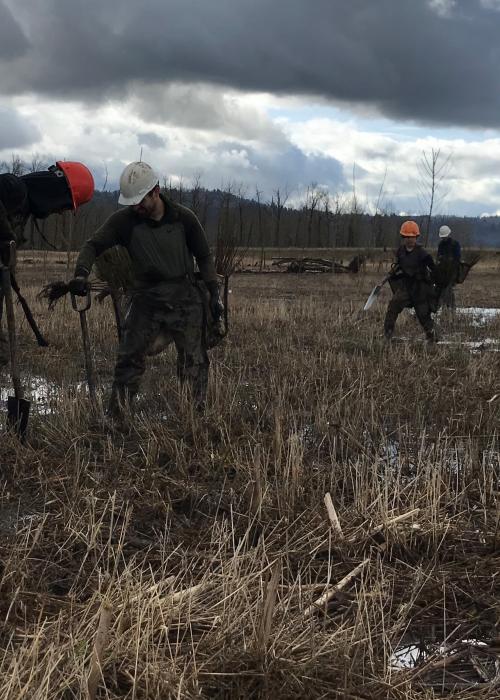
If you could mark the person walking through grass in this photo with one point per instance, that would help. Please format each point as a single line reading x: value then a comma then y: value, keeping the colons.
x: 411, y: 283
x: 447, y: 267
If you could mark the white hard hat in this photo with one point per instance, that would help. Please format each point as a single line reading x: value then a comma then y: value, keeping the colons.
x: 444, y: 231
x: 135, y: 182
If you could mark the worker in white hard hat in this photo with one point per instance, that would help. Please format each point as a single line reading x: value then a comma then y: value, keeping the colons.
x: 163, y: 239
x: 447, y: 267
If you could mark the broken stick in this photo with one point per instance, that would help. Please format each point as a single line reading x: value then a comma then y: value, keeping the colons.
x: 326, y: 597
x: 333, y: 517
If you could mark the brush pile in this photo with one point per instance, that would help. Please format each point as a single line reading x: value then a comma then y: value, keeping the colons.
x: 318, y: 265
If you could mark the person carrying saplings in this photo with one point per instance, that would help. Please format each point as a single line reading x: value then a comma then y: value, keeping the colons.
x: 411, y: 283
x: 163, y: 240
x: 447, y: 267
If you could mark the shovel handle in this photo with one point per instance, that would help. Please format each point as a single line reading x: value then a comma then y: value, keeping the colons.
x: 88, y: 302
x: 82, y: 310
x: 89, y: 369
x: 11, y: 328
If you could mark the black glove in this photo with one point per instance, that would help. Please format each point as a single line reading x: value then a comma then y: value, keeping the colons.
x: 5, y: 251
x: 216, y: 305
x: 78, y: 286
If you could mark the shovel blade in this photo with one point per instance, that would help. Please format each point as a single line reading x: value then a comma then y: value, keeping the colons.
x: 18, y: 411
x: 372, y: 298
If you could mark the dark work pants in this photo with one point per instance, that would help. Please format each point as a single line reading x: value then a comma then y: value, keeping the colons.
x: 447, y: 297
x: 145, y: 320
x: 402, y: 299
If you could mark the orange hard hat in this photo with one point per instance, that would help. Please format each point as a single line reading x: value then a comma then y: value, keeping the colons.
x: 80, y: 181
x: 409, y: 229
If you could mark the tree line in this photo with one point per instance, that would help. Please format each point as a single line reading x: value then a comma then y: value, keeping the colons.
x: 320, y: 220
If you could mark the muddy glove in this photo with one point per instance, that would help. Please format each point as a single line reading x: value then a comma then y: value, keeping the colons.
x: 216, y: 305
x: 78, y: 286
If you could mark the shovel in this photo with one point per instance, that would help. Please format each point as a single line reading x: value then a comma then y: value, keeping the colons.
x: 374, y: 294
x: 18, y: 408
x: 27, y: 312
x: 82, y: 310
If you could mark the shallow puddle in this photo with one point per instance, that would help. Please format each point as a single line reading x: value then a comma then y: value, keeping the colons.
x: 407, y: 656
x: 460, y: 657
x: 480, y: 316
x: 43, y: 394
x: 475, y: 346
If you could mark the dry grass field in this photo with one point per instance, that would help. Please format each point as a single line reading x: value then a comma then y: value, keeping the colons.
x: 194, y: 557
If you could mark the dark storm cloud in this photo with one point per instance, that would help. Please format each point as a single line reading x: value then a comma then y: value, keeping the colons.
x: 198, y: 106
x: 428, y: 60
x: 13, y: 42
x: 15, y: 130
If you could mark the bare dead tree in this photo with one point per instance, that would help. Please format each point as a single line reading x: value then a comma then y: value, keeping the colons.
x: 105, y: 178
x: 278, y: 202
x: 196, y: 194
x: 241, y: 192
x: 299, y: 215
x: 377, y: 221
x: 322, y: 214
x: 258, y: 197
x: 181, y: 190
x: 227, y: 253
x: 313, y: 197
x: 37, y: 163
x: 336, y: 211
x: 354, y: 213
x: 327, y: 217
x: 433, y: 169
x: 16, y: 166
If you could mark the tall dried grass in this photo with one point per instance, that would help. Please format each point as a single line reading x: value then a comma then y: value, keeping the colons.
x: 191, y: 557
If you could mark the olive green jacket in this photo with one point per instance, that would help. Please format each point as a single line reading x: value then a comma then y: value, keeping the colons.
x: 162, y: 252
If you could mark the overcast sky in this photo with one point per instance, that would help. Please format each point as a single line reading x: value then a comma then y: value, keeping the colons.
x: 265, y: 94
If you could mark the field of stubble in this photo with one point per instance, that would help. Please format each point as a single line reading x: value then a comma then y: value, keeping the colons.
x: 194, y: 557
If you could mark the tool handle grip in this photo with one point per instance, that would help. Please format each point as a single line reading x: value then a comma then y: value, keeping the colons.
x: 88, y: 302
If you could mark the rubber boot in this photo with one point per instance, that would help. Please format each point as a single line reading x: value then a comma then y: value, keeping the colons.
x: 120, y: 401
x: 432, y: 336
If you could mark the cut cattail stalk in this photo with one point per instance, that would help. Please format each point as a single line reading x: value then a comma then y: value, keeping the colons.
x: 100, y: 644
x: 186, y: 592
x: 395, y: 521
x: 333, y: 517
x: 256, y: 499
x: 269, y: 604
x: 326, y: 597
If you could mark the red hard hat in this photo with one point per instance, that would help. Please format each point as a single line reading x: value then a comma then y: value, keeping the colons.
x: 80, y: 181
x: 409, y: 229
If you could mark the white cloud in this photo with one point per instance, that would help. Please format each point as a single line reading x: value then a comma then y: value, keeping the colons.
x: 264, y: 141
x: 474, y: 175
